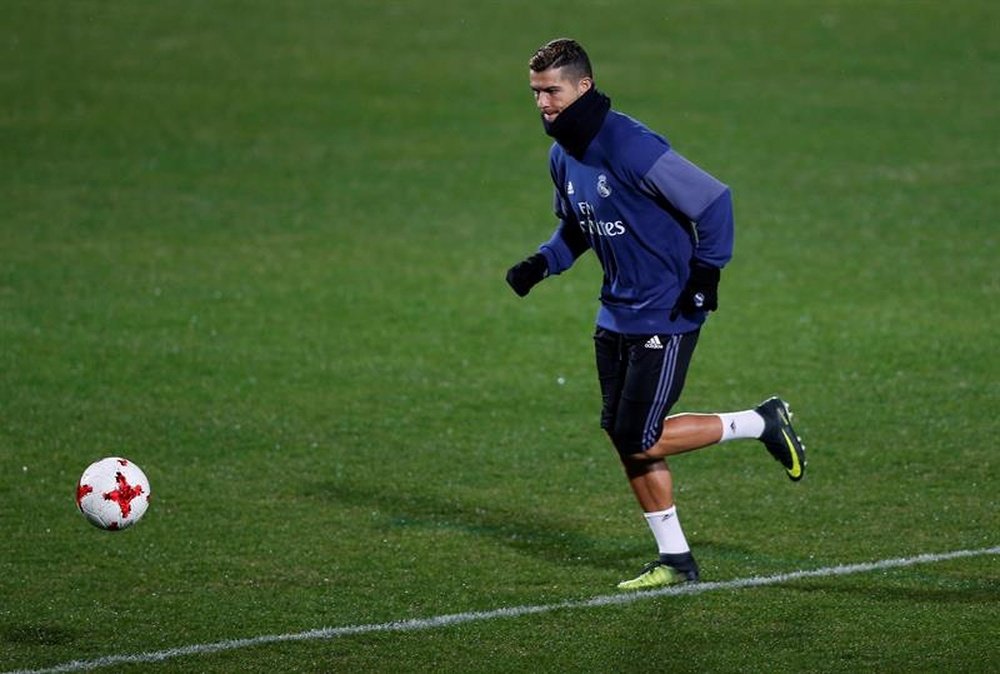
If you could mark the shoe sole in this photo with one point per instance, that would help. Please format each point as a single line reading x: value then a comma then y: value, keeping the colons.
x: 624, y: 588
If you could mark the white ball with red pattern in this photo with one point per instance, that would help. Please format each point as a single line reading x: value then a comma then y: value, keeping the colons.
x: 113, y: 493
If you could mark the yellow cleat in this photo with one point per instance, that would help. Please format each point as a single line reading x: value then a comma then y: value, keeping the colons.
x: 658, y: 574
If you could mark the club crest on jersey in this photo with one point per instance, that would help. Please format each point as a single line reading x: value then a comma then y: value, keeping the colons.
x: 602, y: 186
x: 569, y: 188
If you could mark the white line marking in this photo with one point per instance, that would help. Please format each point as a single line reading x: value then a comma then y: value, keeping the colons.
x: 511, y: 612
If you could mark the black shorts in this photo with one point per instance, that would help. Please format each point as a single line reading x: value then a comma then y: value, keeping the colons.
x: 641, y: 378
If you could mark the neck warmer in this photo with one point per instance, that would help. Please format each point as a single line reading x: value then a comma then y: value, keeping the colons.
x: 577, y: 125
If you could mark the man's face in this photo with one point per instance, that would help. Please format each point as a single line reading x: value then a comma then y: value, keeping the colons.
x: 554, y: 91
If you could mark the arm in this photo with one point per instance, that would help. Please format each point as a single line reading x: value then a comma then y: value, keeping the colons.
x: 705, y: 202
x: 553, y: 257
x: 568, y: 242
x: 708, y: 206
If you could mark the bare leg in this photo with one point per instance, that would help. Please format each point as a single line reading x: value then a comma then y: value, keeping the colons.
x: 684, y: 433
x: 651, y: 482
x: 649, y: 475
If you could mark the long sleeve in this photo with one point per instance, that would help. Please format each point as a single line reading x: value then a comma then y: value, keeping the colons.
x: 567, y: 243
x: 714, y: 229
x: 701, y: 198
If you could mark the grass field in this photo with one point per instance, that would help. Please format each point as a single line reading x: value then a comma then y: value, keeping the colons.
x: 259, y: 248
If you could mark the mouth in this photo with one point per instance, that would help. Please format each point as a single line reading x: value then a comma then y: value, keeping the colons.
x: 549, y: 116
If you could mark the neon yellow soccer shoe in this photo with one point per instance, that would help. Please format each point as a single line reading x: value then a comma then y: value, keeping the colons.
x: 657, y: 574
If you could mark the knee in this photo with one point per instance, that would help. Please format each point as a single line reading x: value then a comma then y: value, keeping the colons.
x: 635, y: 464
x: 635, y: 456
x: 627, y: 441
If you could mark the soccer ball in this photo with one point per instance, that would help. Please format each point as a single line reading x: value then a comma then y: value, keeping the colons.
x: 113, y: 493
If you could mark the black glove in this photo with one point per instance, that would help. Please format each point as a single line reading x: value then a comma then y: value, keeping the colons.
x: 523, y: 276
x: 701, y: 292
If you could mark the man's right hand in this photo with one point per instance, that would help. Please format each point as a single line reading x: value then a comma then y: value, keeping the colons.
x: 523, y: 276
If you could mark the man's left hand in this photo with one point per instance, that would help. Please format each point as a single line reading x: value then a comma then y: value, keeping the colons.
x: 702, y: 290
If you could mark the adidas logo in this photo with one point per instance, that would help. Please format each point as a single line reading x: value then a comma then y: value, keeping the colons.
x: 654, y: 343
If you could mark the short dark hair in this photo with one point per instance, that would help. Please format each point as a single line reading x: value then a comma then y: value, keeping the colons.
x: 562, y: 53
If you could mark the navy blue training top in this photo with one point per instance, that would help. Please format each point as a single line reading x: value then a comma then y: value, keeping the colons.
x: 646, y: 212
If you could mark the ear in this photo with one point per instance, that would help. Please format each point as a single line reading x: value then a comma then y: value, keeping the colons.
x: 584, y: 85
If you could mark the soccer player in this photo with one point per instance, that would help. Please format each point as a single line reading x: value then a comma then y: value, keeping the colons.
x: 662, y: 229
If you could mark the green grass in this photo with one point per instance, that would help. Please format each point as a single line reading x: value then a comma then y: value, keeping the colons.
x: 259, y: 249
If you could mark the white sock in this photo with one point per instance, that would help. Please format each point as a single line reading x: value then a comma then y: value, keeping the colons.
x: 666, y: 528
x: 741, y: 425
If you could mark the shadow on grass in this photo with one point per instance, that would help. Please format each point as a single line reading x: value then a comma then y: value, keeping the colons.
x: 36, y: 635
x: 542, y: 534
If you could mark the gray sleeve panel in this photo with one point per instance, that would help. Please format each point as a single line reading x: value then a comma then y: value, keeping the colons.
x: 690, y: 189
